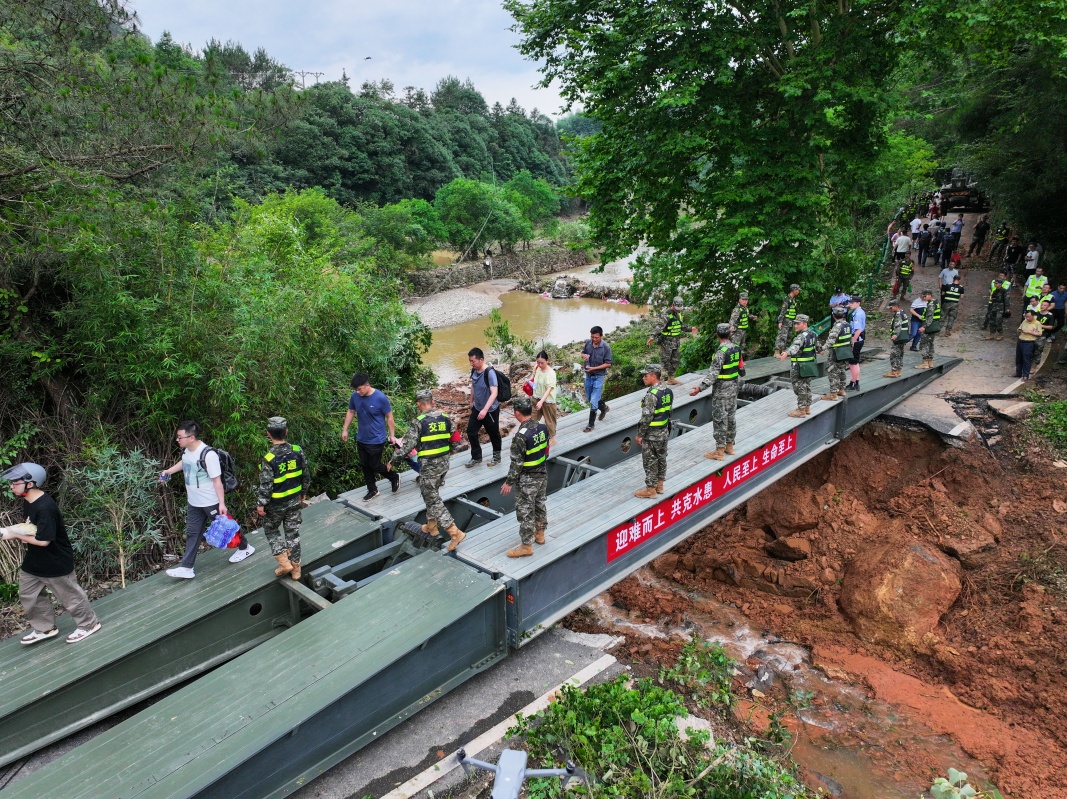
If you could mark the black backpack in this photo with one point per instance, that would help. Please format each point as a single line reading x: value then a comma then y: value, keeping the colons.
x: 226, y: 463
x: 503, y: 385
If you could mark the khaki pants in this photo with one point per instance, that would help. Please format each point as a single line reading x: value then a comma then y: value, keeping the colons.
x: 38, y: 605
x: 547, y: 414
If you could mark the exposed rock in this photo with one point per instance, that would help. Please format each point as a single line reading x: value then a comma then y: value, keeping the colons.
x: 785, y: 512
x: 1011, y: 409
x: 895, y: 594
x: 973, y: 549
x: 993, y: 525
x: 827, y: 577
x: 791, y: 549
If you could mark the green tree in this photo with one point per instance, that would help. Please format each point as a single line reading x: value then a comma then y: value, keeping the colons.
x: 534, y: 197
x: 476, y: 214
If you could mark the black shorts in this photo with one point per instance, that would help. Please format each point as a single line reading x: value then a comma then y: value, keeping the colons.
x: 855, y: 359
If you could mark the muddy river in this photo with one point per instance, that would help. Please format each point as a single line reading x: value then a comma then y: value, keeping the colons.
x: 532, y: 317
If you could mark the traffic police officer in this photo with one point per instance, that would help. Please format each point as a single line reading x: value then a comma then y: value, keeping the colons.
x: 950, y: 302
x: 929, y: 328
x: 801, y: 354
x: 898, y: 335
x: 283, y: 479
x: 998, y: 304
x: 787, y: 315
x: 529, y: 451
x: 653, y: 430
x: 670, y: 340
x: 839, y: 343
x: 724, y: 376
x: 739, y: 321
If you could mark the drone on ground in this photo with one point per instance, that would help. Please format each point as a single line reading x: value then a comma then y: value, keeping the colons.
x: 510, y: 772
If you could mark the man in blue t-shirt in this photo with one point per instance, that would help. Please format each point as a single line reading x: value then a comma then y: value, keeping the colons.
x: 485, y: 410
x: 597, y: 356
x: 373, y: 415
x: 858, y: 321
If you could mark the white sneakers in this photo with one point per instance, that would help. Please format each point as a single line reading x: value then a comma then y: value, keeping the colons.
x: 33, y: 636
x: 81, y: 633
x: 181, y: 573
x: 241, y: 554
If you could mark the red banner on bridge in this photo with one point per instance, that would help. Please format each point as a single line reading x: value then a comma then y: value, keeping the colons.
x: 649, y: 524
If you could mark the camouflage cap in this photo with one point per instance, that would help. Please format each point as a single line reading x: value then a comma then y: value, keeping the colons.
x: 652, y: 369
x: 522, y: 404
x: 794, y: 287
x: 838, y: 311
x: 743, y: 295
x: 895, y: 302
x: 425, y: 395
x: 801, y: 317
x: 678, y: 302
x: 925, y: 292
x: 277, y: 423
x: 722, y: 329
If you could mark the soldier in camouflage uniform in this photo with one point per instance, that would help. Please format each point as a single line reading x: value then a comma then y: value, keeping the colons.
x: 739, y: 322
x: 529, y: 451
x: 670, y: 339
x: 724, y: 375
x: 931, y: 319
x: 801, y: 353
x: 838, y: 340
x: 430, y: 435
x: 283, y: 479
x: 786, y: 316
x: 898, y: 336
x: 998, y: 303
x: 653, y: 430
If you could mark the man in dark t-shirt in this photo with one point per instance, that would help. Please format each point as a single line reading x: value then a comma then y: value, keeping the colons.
x: 49, y: 560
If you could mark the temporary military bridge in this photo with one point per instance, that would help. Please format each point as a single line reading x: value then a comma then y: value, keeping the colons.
x: 301, y: 676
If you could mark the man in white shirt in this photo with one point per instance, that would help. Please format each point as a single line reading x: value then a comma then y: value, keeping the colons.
x: 916, y: 224
x: 205, y: 493
x: 901, y: 247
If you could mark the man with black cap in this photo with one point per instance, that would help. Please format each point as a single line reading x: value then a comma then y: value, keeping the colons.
x: 283, y: 479
x: 931, y: 324
x: 739, y: 322
x: 858, y: 323
x: 670, y: 340
x: 724, y: 375
x: 653, y: 430
x: 803, y: 368
x: 899, y: 327
x: 49, y: 560
x: 529, y: 452
x: 786, y: 316
x: 431, y: 436
x: 839, y: 344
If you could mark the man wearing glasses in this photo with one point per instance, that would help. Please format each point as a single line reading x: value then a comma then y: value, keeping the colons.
x: 206, y: 496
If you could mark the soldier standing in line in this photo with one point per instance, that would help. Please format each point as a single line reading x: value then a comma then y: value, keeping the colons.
x: 998, y: 304
x: 801, y: 354
x: 950, y: 301
x: 281, y: 487
x: 839, y: 343
x: 787, y: 315
x: 431, y: 435
x: 529, y: 451
x: 723, y: 375
x: 653, y: 430
x: 929, y: 328
x: 739, y: 321
x: 898, y: 335
x: 670, y: 340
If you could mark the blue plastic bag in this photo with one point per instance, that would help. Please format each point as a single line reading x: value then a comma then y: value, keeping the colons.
x: 221, y: 531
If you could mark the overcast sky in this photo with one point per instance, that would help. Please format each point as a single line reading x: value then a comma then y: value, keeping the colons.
x: 410, y: 42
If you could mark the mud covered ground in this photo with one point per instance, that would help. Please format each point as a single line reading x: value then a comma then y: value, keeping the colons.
x: 960, y: 637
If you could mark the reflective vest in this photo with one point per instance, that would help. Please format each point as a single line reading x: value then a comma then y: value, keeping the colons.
x: 906, y: 268
x: 674, y: 325
x: 664, y: 399
x: 536, y: 435
x: 791, y: 311
x: 1033, y: 286
x: 899, y: 325
x: 936, y: 316
x: 844, y: 337
x: 731, y: 362
x: 435, y: 430
x: 807, y: 348
x: 288, y: 473
x: 742, y: 317
x: 1047, y: 298
x: 953, y: 293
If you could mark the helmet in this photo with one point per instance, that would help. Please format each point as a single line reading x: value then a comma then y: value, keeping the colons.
x: 30, y: 472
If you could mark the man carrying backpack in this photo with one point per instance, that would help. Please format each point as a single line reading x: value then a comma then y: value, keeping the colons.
x: 206, y: 496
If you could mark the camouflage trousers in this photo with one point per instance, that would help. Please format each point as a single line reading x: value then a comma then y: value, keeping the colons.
x: 281, y: 526
x: 782, y: 341
x: 896, y: 354
x: 654, y: 457
x: 531, y: 504
x: 994, y: 317
x: 801, y: 387
x: 950, y: 310
x: 670, y: 350
x: 926, y: 346
x: 836, y: 371
x: 724, y: 411
x: 432, y: 473
x: 1039, y: 348
x: 737, y: 338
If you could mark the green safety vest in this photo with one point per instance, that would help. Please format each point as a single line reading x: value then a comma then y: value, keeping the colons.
x: 288, y: 474
x: 807, y: 349
x: 1005, y: 285
x: 953, y: 293
x: 664, y: 400
x: 898, y: 325
x: 674, y: 325
x: 1033, y: 289
x: 937, y: 311
x: 536, y: 436
x: 906, y: 268
x: 791, y: 311
x: 731, y: 362
x: 844, y: 338
x: 435, y: 432
x: 742, y: 318
x: 1046, y: 298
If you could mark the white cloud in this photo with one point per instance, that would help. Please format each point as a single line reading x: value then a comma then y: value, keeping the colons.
x: 412, y: 43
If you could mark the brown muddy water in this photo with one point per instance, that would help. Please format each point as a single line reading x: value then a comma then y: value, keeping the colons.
x: 532, y: 317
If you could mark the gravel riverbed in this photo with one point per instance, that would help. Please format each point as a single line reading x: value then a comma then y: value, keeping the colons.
x: 458, y: 305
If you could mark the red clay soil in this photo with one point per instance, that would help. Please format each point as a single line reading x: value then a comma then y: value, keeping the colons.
x: 991, y: 675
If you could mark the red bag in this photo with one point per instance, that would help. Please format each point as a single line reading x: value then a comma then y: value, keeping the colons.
x: 527, y: 388
x: 456, y: 436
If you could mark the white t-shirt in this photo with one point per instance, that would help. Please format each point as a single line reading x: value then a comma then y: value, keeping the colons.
x: 1032, y: 257
x: 198, y: 483
x: 902, y: 244
x: 918, y: 305
x: 916, y: 223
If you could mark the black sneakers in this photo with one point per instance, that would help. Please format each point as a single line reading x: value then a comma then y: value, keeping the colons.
x: 394, y: 481
x: 371, y: 494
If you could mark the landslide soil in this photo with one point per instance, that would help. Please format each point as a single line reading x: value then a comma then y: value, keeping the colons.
x: 991, y: 674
